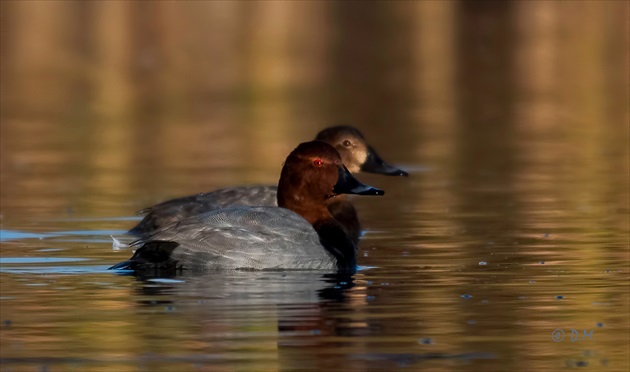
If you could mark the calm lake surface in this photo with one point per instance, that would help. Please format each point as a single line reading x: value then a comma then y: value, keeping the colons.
x: 507, y: 247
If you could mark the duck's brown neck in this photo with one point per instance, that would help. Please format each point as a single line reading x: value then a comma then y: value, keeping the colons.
x: 312, y: 210
x: 332, y: 234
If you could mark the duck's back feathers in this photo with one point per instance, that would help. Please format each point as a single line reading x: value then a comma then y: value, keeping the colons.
x: 170, y: 211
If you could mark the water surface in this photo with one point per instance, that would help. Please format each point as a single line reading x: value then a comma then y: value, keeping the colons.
x: 505, y: 249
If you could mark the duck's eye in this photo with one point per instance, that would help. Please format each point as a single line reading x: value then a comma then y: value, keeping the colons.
x: 318, y: 162
x: 347, y: 143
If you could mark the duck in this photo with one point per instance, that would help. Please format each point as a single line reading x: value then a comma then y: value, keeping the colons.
x: 300, y: 233
x: 357, y: 155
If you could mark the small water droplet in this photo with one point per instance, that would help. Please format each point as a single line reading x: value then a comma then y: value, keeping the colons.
x: 482, y: 263
x: 559, y: 297
x: 532, y: 281
x: 600, y: 324
x: 316, y: 332
x: 542, y: 262
x: 466, y: 296
x: 370, y: 298
x: 425, y: 341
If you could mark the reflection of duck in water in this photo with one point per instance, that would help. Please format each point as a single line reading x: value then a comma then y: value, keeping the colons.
x: 298, y: 311
x: 355, y: 153
x: 299, y: 234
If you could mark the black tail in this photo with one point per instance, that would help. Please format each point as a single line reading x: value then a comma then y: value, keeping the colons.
x: 152, y: 254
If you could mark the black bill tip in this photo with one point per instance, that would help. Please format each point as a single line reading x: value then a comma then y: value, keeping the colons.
x: 375, y: 164
x: 347, y: 184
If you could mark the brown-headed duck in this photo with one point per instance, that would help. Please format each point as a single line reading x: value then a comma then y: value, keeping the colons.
x: 299, y: 234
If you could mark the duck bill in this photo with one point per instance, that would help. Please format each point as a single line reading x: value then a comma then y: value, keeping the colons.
x: 347, y: 184
x: 374, y: 164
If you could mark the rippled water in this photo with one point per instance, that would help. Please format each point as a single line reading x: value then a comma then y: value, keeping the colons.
x: 507, y: 247
x: 456, y: 272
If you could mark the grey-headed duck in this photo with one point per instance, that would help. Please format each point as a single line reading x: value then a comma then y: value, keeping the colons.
x: 355, y: 152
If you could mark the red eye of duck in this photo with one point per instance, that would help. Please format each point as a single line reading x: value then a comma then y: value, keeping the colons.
x: 318, y: 162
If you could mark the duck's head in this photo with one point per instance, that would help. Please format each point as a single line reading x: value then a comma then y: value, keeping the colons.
x: 356, y: 153
x: 312, y: 174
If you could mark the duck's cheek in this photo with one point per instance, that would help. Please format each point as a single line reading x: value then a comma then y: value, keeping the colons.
x: 353, y: 168
x: 361, y: 155
x: 348, y: 158
x: 354, y: 159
